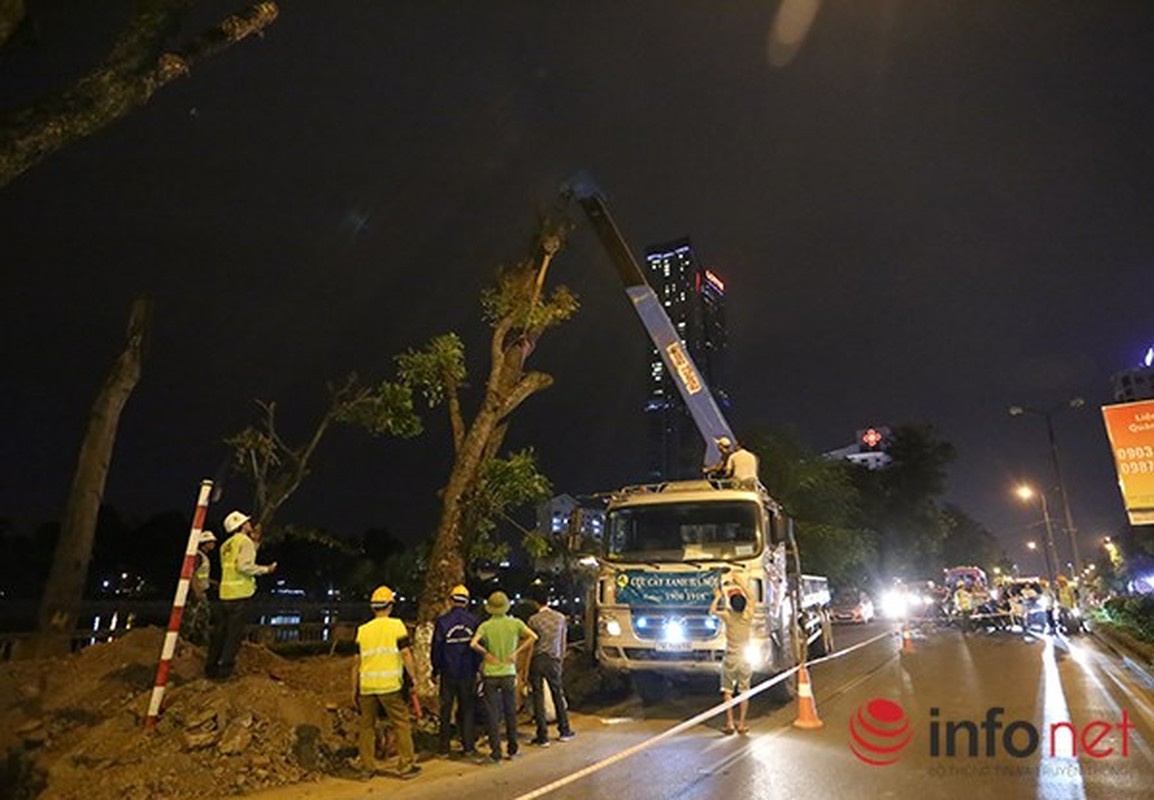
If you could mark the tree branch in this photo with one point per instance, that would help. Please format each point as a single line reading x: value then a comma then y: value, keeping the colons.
x: 529, y: 385
x: 134, y: 70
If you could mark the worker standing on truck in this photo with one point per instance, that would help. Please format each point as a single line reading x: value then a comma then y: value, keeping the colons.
x: 735, y: 611
x: 737, y: 463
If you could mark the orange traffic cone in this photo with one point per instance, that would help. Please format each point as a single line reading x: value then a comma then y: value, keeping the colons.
x: 908, y: 640
x: 806, y: 707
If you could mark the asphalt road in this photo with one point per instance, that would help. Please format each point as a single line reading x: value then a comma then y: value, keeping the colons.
x: 948, y: 682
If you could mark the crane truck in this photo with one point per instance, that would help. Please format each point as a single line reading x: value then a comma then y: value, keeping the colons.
x: 668, y: 547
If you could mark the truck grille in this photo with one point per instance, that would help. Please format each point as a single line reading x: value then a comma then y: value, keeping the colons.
x: 648, y: 654
x: 694, y: 627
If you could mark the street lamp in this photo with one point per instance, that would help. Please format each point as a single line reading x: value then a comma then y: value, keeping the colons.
x: 1073, y: 402
x: 1027, y: 493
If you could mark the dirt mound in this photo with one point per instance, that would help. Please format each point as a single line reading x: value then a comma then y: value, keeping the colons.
x: 73, y: 727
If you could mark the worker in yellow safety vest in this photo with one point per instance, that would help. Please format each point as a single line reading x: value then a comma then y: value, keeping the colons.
x: 963, y: 605
x: 194, y: 625
x: 238, y: 571
x: 378, y: 682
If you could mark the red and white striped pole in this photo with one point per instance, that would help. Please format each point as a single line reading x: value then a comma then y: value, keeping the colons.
x: 186, y: 570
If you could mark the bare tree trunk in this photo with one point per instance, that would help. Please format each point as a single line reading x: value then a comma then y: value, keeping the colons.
x: 61, y: 603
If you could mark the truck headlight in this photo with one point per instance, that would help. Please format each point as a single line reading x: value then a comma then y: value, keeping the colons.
x: 609, y: 626
x: 674, y: 631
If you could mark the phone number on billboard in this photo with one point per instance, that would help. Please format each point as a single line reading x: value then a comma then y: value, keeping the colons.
x: 1132, y: 453
x: 1135, y: 467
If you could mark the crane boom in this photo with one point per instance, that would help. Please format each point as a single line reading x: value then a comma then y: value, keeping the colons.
x: 711, y: 423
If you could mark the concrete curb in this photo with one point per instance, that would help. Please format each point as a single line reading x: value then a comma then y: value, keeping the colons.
x: 1131, y: 658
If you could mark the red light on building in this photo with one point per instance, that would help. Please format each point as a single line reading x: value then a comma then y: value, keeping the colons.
x: 871, y: 438
x: 716, y: 281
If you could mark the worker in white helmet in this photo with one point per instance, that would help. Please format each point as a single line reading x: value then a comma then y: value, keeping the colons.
x: 737, y: 464
x: 197, y: 613
x: 238, y: 571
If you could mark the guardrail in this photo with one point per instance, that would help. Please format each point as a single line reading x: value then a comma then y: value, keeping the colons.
x: 273, y: 623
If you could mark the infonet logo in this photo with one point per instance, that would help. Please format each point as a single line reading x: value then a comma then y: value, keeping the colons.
x: 880, y: 730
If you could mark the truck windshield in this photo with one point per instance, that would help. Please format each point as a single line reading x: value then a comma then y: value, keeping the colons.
x: 684, y: 531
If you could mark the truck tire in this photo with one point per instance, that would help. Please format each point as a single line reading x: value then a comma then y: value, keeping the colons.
x: 651, y: 687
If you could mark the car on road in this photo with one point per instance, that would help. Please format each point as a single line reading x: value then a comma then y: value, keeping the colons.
x: 852, y: 606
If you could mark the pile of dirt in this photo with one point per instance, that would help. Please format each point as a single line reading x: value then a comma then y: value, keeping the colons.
x: 73, y: 727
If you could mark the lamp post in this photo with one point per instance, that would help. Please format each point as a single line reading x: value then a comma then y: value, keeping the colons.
x: 1048, y: 414
x: 1027, y: 493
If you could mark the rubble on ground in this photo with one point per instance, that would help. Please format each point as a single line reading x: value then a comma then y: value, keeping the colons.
x: 73, y: 727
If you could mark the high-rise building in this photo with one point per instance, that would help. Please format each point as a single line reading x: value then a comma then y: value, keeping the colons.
x: 1137, y: 383
x: 694, y: 299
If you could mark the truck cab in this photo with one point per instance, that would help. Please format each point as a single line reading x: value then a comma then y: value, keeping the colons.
x: 668, y: 549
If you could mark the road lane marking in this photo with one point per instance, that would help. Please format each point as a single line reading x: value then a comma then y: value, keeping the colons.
x: 689, y: 723
x: 1053, y: 782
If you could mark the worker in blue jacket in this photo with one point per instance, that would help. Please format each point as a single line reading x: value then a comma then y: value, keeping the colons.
x: 456, y: 663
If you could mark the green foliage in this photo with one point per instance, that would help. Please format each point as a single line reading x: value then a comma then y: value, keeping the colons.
x: 276, y: 468
x: 823, y: 502
x: 435, y: 368
x: 537, y: 545
x: 900, y: 502
x: 968, y: 542
x: 505, y: 483
x: 384, y: 409
x: 511, y: 298
x: 1132, y: 613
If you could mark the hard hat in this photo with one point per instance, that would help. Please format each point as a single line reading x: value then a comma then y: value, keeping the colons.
x: 382, y: 596
x: 459, y: 592
x: 498, y: 603
x: 207, y: 536
x: 234, y: 521
x: 724, y: 442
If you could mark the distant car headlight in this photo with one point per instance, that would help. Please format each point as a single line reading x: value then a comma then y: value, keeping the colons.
x: 753, y: 654
x: 893, y: 604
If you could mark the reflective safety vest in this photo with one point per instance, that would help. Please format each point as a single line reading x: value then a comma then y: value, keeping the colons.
x: 381, y: 666
x: 234, y: 585
x: 1066, y: 596
x: 203, y: 569
x: 963, y: 600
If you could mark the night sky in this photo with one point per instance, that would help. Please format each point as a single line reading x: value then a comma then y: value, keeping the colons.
x: 937, y: 210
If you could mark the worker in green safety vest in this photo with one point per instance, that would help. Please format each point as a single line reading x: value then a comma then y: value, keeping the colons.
x: 238, y: 571
x: 194, y: 625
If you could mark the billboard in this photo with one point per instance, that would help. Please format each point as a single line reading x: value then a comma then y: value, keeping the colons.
x: 1130, y: 428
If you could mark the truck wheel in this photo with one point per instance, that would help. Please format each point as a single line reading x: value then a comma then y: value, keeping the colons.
x: 651, y: 687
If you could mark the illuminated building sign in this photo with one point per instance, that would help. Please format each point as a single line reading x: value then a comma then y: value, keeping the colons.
x: 718, y: 284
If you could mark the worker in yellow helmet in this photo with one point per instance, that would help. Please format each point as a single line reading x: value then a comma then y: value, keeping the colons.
x: 455, y: 663
x: 378, y: 679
